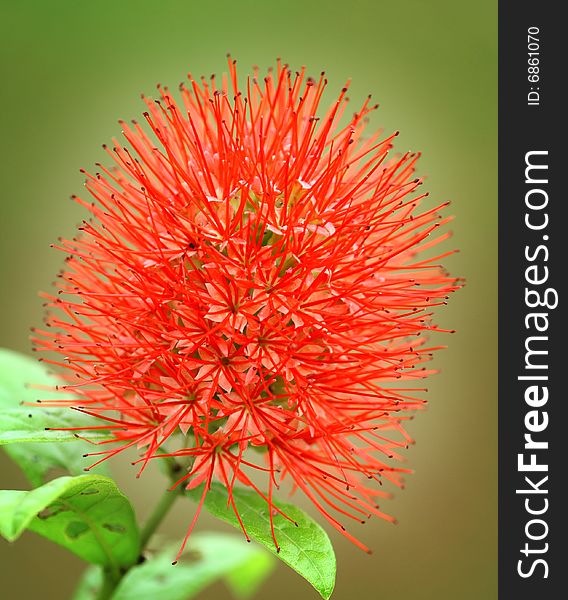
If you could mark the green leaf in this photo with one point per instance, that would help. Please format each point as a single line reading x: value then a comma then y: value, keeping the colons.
x: 305, y: 547
x: 89, y: 584
x: 209, y: 557
x: 245, y: 580
x: 24, y: 435
x: 18, y: 425
x: 88, y: 515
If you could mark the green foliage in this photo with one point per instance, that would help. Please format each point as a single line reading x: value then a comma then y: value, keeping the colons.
x: 208, y: 558
x: 33, y: 425
x: 304, y: 545
x: 88, y: 515
x: 90, y: 584
x: 22, y: 427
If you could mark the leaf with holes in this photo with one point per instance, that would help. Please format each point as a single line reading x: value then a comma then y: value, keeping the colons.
x: 88, y: 515
x: 22, y: 428
x: 304, y: 545
x: 209, y: 557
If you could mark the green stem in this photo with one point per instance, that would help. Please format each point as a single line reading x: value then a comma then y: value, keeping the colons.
x: 157, y: 516
x: 111, y: 580
x: 107, y: 589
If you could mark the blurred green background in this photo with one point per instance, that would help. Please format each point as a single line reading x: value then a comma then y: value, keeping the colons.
x: 70, y: 69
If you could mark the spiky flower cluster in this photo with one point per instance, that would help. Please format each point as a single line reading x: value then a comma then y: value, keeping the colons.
x: 251, y: 280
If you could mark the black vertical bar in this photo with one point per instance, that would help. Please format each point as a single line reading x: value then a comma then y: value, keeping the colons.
x: 533, y: 381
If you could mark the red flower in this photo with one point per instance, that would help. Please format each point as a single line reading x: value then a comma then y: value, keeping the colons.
x: 251, y: 280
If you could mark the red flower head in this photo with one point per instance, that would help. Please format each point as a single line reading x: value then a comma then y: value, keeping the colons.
x: 251, y: 280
